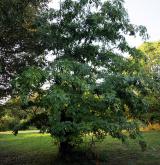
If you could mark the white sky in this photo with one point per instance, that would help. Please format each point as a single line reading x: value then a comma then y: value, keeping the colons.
x: 141, y: 12
x: 147, y: 13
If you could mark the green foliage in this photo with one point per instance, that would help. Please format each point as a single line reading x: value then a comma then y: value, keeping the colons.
x: 8, y: 123
x: 151, y: 68
x: 92, y: 87
x: 11, y: 116
x: 19, y: 39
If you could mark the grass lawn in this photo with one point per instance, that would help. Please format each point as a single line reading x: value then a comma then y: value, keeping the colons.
x: 29, y: 148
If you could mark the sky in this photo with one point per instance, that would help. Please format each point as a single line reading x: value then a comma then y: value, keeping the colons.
x: 141, y: 12
x: 147, y: 13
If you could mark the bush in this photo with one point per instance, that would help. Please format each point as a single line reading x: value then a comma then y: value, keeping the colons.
x: 8, y: 123
x: 151, y: 118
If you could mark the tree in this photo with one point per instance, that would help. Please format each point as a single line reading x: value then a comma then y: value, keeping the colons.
x: 19, y: 39
x: 151, y: 66
x: 93, y: 88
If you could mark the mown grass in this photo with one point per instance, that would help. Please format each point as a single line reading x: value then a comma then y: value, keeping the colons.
x: 40, y: 149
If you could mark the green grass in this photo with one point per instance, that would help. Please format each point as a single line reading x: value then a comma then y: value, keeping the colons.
x: 40, y: 149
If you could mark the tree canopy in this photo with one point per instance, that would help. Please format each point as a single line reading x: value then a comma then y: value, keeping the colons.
x: 151, y: 66
x: 19, y: 39
x: 92, y: 87
x: 152, y: 57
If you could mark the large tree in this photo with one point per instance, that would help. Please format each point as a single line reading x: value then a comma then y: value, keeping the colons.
x: 92, y: 87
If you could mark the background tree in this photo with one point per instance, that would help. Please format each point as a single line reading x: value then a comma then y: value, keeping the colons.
x: 151, y: 66
x: 92, y: 87
x: 13, y: 116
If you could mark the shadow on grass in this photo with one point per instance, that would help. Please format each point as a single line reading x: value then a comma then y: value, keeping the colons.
x: 78, y: 157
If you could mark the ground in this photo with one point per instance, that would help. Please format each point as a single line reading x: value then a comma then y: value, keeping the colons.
x: 28, y: 148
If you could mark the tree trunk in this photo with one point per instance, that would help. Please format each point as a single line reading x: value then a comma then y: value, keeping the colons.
x: 65, y: 148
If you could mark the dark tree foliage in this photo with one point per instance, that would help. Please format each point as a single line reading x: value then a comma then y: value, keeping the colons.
x: 93, y: 88
x: 20, y: 44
